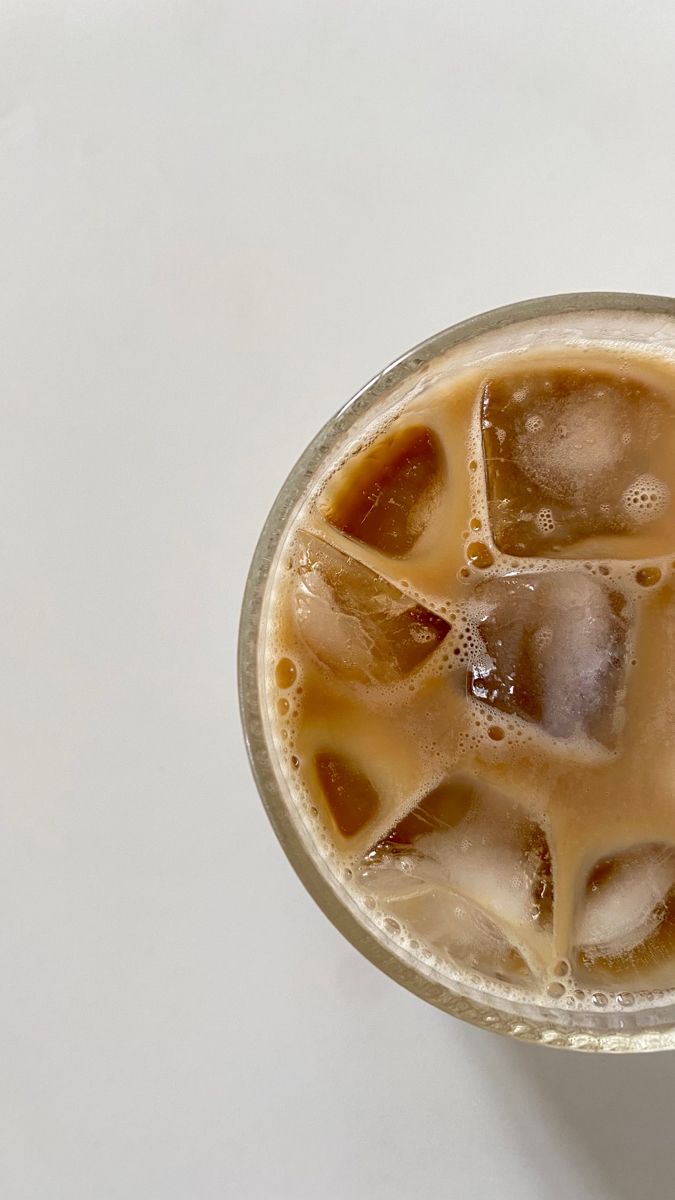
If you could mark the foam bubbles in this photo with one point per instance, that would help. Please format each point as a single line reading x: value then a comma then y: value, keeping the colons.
x: 646, y: 499
x: 545, y: 520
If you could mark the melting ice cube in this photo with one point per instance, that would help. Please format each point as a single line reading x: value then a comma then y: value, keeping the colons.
x: 572, y: 454
x: 356, y: 623
x: 555, y: 647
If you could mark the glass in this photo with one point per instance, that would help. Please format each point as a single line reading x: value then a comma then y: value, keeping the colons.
x: 643, y: 324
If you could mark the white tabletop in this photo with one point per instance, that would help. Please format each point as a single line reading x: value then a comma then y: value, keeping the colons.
x: 218, y: 220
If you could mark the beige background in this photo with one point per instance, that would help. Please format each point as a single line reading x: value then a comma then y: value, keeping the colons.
x: 217, y: 220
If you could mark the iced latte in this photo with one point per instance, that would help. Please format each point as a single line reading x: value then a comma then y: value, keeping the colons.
x: 469, y: 672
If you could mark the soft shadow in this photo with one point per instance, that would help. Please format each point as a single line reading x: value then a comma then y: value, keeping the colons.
x: 610, y: 1118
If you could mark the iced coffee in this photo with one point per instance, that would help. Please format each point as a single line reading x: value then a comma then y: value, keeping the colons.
x: 471, y: 675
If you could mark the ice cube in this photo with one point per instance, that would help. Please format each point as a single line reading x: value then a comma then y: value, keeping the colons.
x: 555, y: 652
x: 350, y: 796
x: 572, y: 454
x: 385, y: 495
x: 466, y: 845
x: 356, y: 623
x: 460, y: 930
x: 626, y: 920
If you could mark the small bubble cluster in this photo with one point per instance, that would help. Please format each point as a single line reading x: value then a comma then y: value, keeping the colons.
x: 545, y: 520
x: 646, y: 499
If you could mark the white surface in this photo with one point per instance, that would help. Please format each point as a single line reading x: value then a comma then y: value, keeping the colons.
x: 217, y: 220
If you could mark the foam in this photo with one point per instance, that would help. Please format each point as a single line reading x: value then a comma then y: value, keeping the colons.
x: 545, y: 520
x: 646, y: 499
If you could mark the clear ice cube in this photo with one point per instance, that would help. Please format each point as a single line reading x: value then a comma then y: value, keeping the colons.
x: 466, y: 858
x: 455, y: 928
x: 555, y: 652
x: 573, y: 455
x: 356, y: 623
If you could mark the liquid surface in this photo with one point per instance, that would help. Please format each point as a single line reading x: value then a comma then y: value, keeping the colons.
x: 472, y: 676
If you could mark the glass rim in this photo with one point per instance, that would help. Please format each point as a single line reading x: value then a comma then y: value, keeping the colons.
x: 310, y: 869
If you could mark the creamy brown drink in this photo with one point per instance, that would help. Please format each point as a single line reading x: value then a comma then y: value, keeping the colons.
x: 470, y: 674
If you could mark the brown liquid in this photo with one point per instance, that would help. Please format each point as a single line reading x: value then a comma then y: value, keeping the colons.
x: 474, y: 638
